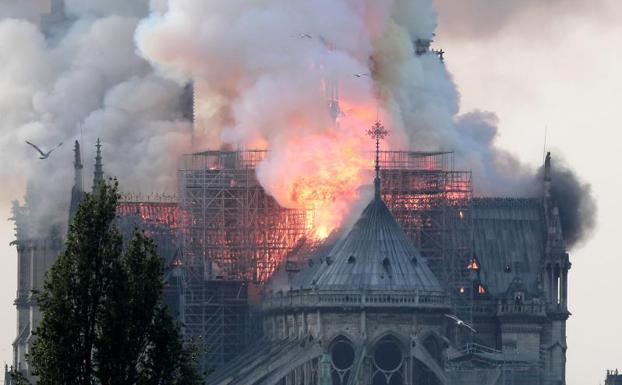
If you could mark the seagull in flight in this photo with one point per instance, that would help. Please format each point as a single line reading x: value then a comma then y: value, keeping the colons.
x: 44, y: 155
x: 303, y: 36
x: 460, y: 322
x: 360, y: 75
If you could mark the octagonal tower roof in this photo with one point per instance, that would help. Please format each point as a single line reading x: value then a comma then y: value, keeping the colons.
x: 375, y: 254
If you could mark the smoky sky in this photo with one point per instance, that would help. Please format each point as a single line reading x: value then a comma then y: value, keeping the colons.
x: 576, y: 203
x: 119, y: 69
x: 467, y: 19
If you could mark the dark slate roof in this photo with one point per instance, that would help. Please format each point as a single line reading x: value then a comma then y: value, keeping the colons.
x: 509, y: 240
x: 375, y: 254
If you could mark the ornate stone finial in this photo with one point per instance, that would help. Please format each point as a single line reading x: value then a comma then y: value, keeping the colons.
x: 547, y: 177
x: 377, y: 131
x: 77, y: 190
x: 325, y: 370
x: 98, y: 175
x: 77, y: 165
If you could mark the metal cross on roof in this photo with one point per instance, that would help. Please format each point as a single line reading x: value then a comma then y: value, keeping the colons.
x: 377, y: 131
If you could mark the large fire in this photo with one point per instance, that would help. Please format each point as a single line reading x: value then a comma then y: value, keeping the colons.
x: 322, y: 173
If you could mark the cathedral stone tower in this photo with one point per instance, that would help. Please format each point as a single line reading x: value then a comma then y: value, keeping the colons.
x: 39, y: 241
x: 556, y: 265
x: 37, y: 246
x: 77, y: 191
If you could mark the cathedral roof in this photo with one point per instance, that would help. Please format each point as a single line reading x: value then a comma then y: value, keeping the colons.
x: 509, y: 239
x: 375, y: 254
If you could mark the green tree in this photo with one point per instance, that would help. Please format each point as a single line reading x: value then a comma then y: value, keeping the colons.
x: 104, y: 321
x: 18, y: 378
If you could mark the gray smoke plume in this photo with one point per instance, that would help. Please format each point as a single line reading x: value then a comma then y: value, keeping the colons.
x: 83, y: 81
x: 576, y: 203
x: 264, y: 73
x: 264, y: 70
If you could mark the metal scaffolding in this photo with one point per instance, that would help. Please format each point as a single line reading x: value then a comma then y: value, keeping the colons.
x: 158, y: 216
x: 224, y: 311
x: 234, y: 233
x: 432, y: 203
x: 233, y: 229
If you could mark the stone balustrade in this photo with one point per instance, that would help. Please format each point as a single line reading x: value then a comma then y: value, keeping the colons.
x: 396, y: 299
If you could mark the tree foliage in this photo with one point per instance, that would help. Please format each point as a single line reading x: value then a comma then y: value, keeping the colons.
x: 104, y: 321
x: 18, y: 378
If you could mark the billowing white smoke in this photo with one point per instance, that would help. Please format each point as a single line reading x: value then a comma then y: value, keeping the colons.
x: 83, y: 83
x: 264, y: 72
x: 264, y: 69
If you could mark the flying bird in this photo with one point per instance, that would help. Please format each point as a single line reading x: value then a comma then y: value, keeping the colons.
x: 360, y: 75
x: 460, y: 322
x: 303, y: 36
x: 44, y: 155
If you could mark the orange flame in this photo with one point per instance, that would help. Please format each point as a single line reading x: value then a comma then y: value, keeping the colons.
x: 324, y: 178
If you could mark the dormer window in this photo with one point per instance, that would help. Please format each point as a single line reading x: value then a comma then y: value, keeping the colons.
x: 473, y: 264
x: 386, y: 263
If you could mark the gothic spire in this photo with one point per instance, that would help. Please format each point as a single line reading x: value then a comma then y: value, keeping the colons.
x: 547, y: 176
x: 98, y: 175
x: 77, y: 167
x: 555, y: 239
x: 377, y: 131
x: 77, y: 190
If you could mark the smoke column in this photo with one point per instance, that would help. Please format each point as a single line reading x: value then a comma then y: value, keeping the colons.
x: 83, y: 81
x: 577, y: 206
x: 263, y: 71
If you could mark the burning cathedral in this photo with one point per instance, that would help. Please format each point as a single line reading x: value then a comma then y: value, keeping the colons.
x: 430, y: 284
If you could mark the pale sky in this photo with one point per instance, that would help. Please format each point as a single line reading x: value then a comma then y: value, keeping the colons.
x: 556, y: 65
x: 563, y: 72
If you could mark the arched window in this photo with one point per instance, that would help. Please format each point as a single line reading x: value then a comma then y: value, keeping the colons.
x: 388, y: 362
x: 342, y: 359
